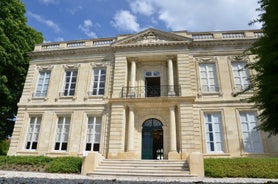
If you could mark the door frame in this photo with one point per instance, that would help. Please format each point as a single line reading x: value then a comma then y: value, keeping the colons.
x: 155, y: 143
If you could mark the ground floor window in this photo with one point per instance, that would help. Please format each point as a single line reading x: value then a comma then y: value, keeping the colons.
x: 251, y: 138
x: 93, y: 134
x: 33, y: 133
x: 213, y: 132
x: 62, y: 133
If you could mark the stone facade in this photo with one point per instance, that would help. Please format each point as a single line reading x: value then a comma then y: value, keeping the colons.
x: 150, y: 95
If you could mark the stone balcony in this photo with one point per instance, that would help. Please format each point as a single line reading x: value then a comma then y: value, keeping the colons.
x: 150, y: 91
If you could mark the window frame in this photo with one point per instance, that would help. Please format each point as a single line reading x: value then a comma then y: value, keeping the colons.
x: 250, y: 132
x: 34, y: 139
x: 96, y: 91
x: 43, y: 92
x: 213, y: 132
x: 215, y: 78
x: 92, y: 133
x: 62, y: 137
x: 68, y: 85
x: 240, y: 71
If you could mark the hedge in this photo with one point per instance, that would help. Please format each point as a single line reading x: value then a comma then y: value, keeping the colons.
x: 41, y: 164
x: 241, y: 167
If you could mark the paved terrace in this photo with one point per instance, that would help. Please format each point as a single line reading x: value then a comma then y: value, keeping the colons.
x: 16, y: 177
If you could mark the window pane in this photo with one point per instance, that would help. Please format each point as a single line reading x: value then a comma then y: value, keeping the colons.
x: 98, y: 84
x: 62, y: 132
x: 251, y: 138
x: 93, y: 133
x: 70, y: 82
x: 42, y: 84
x: 33, y: 133
x: 208, y: 77
x: 214, y: 135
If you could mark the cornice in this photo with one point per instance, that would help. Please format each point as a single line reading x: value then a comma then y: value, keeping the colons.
x: 156, y: 44
x: 75, y: 51
x: 223, y: 42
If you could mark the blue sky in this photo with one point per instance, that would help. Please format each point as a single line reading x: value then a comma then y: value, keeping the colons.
x: 63, y: 20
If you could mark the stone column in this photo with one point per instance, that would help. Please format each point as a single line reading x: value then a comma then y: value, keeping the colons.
x: 173, y: 135
x: 173, y: 154
x: 130, y: 144
x: 171, y: 91
x: 132, y: 78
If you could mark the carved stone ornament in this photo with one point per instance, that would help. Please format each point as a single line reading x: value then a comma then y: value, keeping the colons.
x: 100, y: 64
x: 71, y: 66
x: 238, y: 58
x: 45, y: 67
x: 206, y: 59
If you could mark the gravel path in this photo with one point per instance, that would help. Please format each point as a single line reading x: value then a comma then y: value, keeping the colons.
x: 14, y: 177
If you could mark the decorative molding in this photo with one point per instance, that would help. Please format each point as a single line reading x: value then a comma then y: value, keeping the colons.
x: 100, y: 64
x: 152, y: 37
x: 45, y: 67
x: 238, y: 58
x: 212, y: 59
x: 71, y: 66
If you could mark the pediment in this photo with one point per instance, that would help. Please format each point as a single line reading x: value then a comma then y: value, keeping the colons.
x: 153, y: 37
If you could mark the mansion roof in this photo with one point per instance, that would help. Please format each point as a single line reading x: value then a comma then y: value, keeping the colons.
x: 153, y: 37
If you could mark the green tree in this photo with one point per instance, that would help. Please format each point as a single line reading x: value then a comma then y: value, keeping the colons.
x: 266, y: 80
x: 16, y: 39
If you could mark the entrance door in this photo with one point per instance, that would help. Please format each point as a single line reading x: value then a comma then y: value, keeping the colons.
x: 152, y: 139
x: 152, y: 85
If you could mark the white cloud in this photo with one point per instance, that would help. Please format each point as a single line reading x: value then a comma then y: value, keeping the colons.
x: 48, y: 1
x: 59, y: 39
x: 86, y: 26
x: 49, y: 23
x: 144, y: 7
x: 206, y: 15
x: 125, y: 21
x: 201, y: 15
x: 74, y: 10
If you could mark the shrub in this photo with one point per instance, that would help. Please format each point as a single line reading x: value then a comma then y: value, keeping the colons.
x: 241, y: 167
x: 41, y: 163
x: 4, y: 147
x: 65, y: 165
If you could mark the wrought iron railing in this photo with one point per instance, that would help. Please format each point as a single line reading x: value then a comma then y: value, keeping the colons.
x: 150, y: 91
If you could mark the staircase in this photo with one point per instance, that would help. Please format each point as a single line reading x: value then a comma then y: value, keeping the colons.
x: 150, y: 168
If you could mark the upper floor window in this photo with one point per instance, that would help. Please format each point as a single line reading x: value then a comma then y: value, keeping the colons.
x: 99, y: 78
x: 62, y: 133
x: 42, y: 85
x: 208, y: 78
x: 213, y: 131
x: 241, y: 76
x: 70, y: 82
x: 251, y: 138
x: 33, y: 133
x: 93, y: 134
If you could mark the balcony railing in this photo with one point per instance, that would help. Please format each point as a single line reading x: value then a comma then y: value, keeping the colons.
x: 150, y: 91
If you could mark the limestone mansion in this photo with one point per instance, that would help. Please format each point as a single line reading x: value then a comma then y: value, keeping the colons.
x: 150, y: 95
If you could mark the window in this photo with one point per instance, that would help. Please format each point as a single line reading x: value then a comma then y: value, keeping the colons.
x: 213, y: 129
x: 33, y: 133
x: 241, y: 76
x: 93, y: 134
x: 62, y: 133
x: 251, y: 138
x: 70, y: 82
x: 99, y: 81
x: 208, y: 77
x: 42, y: 84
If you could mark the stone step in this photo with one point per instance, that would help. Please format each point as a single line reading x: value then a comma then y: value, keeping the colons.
x: 154, y: 168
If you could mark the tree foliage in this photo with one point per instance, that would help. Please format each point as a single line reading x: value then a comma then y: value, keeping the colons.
x: 266, y: 67
x: 16, y: 39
